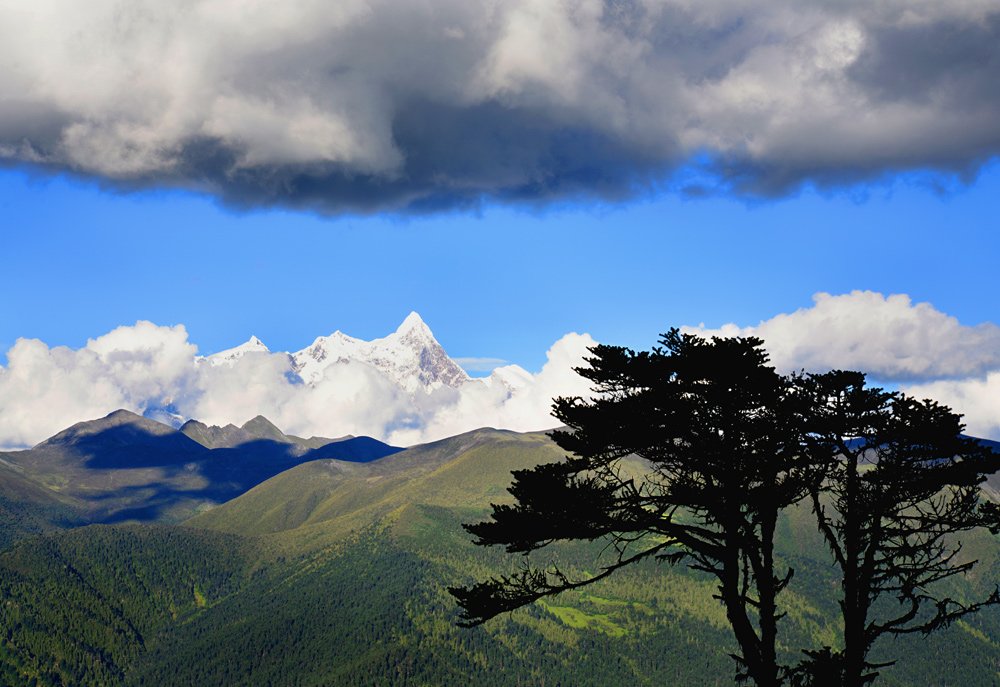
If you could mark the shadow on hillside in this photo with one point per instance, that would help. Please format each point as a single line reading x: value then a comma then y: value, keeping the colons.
x: 154, y: 503
x: 164, y: 473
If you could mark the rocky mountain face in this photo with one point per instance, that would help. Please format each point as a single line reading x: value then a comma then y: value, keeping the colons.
x: 256, y: 430
x: 160, y: 468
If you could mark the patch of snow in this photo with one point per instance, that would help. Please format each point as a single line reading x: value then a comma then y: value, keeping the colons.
x: 511, y: 377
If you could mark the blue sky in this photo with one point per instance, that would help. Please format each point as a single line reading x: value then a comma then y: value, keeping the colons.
x: 504, y: 283
x: 530, y: 176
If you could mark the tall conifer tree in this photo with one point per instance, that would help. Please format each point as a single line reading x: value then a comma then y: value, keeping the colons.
x: 721, y: 436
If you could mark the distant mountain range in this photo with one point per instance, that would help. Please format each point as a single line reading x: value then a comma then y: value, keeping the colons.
x: 125, y: 467
x: 129, y: 468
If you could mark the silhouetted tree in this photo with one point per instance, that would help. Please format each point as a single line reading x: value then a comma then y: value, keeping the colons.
x: 899, y: 482
x: 721, y: 436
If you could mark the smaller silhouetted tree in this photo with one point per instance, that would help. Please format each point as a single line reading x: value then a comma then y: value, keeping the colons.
x: 720, y: 435
x: 899, y: 482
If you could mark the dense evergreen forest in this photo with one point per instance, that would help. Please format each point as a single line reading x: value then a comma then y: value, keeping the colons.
x: 337, y: 576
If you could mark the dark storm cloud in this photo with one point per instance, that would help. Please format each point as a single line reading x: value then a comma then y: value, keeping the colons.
x: 421, y: 107
x: 455, y: 157
x: 959, y: 61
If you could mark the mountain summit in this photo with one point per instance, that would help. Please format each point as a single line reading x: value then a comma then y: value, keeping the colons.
x: 120, y: 428
x: 413, y: 322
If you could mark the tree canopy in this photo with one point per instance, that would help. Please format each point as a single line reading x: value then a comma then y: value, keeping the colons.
x: 726, y: 445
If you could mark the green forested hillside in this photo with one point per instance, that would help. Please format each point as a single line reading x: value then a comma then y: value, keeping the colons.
x: 79, y: 606
x: 336, y: 574
x: 27, y: 508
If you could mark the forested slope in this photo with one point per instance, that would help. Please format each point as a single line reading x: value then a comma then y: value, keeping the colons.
x: 28, y: 508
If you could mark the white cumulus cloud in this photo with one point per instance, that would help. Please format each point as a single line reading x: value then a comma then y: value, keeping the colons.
x: 927, y: 353
x: 891, y: 338
x: 44, y: 390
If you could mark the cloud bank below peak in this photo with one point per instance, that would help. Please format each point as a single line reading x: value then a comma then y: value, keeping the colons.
x: 155, y: 371
x: 367, y: 388
x: 386, y: 105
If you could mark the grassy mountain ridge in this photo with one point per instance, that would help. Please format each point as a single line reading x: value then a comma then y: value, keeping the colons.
x: 320, y: 603
x: 470, y: 470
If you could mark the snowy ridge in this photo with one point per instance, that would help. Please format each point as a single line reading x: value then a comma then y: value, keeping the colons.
x: 411, y: 357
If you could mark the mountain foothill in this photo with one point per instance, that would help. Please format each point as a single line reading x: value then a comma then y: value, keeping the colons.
x: 125, y: 467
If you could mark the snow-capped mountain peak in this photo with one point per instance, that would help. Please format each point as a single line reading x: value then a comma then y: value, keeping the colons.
x: 411, y: 357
